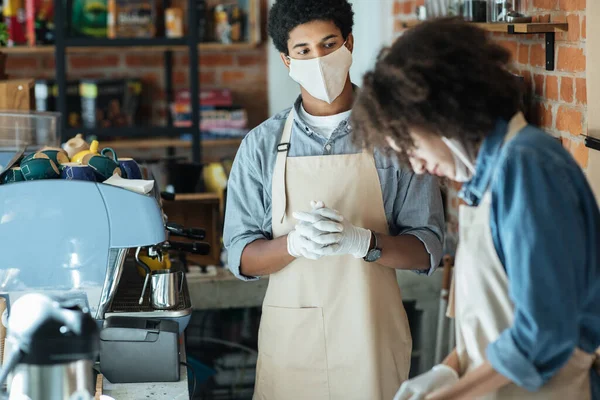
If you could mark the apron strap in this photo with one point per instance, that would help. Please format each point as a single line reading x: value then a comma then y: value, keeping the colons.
x: 515, y: 125
x: 596, y: 364
x: 451, y: 308
x: 278, y: 194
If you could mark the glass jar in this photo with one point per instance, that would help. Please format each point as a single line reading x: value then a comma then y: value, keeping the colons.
x: 454, y: 8
x: 474, y: 10
x: 507, y: 11
x: 469, y: 10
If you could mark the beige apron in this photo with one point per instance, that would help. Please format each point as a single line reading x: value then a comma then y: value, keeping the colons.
x: 334, y: 328
x: 483, y: 309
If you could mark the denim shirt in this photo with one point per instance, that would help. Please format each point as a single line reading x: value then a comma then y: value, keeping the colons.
x: 545, y: 226
x: 412, y: 203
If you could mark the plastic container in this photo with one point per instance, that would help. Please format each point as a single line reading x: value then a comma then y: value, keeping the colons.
x: 37, y: 129
x: 26, y: 132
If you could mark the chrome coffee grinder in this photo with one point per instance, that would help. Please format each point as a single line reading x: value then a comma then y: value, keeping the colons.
x: 51, y: 347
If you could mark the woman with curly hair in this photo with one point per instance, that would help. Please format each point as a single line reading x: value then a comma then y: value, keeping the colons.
x: 526, y: 288
x: 333, y: 324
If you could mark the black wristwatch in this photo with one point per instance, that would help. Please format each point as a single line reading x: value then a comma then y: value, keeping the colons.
x: 375, y: 253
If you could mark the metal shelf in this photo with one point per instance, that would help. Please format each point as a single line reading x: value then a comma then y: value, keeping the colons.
x: 592, y: 143
x: 190, y: 44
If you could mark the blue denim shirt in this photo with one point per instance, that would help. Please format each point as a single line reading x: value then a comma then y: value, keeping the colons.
x: 412, y: 203
x: 545, y: 226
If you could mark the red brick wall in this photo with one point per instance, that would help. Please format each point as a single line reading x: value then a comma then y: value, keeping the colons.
x: 559, y: 97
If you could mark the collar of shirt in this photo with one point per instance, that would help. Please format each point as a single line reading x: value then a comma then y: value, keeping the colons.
x: 487, y: 158
x: 342, y: 130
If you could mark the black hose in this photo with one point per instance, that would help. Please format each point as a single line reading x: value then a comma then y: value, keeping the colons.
x: 193, y: 377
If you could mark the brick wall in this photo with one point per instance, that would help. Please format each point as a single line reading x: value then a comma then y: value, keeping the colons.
x: 559, y: 100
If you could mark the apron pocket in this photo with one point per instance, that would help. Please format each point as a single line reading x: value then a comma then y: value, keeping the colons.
x: 293, y: 356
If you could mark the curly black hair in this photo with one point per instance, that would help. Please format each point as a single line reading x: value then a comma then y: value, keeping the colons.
x: 285, y: 15
x: 446, y: 77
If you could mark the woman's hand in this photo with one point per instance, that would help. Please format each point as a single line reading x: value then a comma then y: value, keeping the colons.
x: 475, y: 383
x: 438, y: 377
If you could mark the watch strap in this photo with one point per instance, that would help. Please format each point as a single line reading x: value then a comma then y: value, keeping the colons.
x: 374, y: 250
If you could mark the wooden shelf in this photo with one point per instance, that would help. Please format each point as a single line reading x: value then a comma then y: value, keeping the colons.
x: 28, y: 50
x: 547, y: 28
x: 221, y: 142
x: 410, y: 23
x: 128, y: 49
x: 226, y: 47
x: 197, y: 197
x: 533, y: 27
x: 159, y: 143
x: 525, y: 28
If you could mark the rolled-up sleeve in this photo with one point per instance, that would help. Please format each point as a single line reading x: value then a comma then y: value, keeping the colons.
x: 419, y: 212
x: 539, y: 233
x: 245, y: 210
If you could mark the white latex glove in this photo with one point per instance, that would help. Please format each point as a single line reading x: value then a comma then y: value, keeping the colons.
x: 337, y: 236
x: 436, y: 378
x: 300, y: 245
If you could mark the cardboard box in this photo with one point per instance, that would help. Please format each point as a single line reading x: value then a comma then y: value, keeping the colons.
x: 17, y: 94
x: 132, y: 18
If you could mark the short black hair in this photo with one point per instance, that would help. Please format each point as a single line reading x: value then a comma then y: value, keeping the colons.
x: 446, y: 77
x: 285, y: 15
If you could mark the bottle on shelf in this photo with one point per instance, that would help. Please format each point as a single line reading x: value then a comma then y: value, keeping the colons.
x: 236, y: 24
x: 222, y: 26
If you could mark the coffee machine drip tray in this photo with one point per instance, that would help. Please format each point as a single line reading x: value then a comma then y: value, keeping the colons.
x: 126, y: 300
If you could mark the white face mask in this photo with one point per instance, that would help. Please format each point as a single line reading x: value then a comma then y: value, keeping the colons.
x: 323, y: 77
x: 463, y: 163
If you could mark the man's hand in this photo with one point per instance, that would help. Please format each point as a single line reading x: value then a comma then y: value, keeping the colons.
x: 331, y: 234
x: 300, y: 246
x: 301, y: 243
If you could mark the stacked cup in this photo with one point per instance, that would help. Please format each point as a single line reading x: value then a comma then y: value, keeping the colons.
x: 77, y: 160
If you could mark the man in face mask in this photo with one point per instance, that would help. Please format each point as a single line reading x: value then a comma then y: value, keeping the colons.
x: 329, y: 224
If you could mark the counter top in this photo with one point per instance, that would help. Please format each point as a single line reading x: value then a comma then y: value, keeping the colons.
x: 223, y: 290
x: 151, y: 390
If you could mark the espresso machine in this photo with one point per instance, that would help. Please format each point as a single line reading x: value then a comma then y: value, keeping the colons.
x: 71, y: 238
x: 77, y: 241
